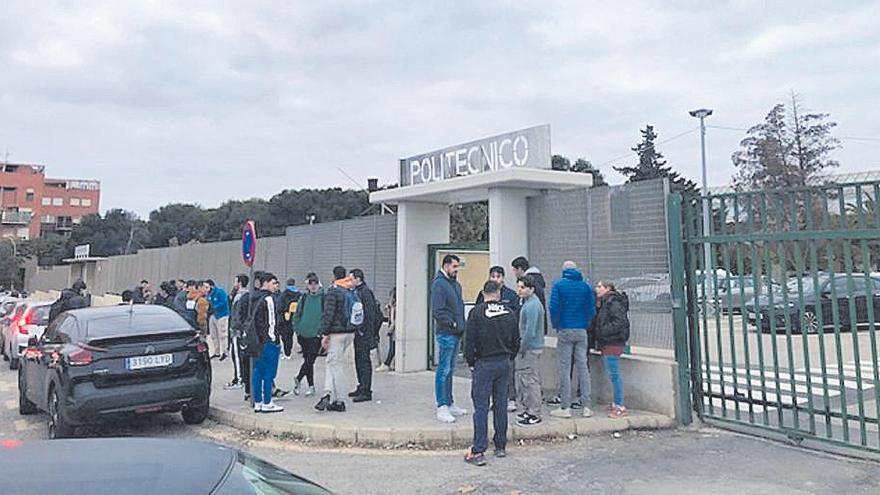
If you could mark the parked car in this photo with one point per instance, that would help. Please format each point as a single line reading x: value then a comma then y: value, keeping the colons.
x: 7, y: 326
x: 742, y: 291
x: 136, y: 466
x: 97, y: 363
x: 7, y: 306
x: 836, y: 290
x: 29, y: 320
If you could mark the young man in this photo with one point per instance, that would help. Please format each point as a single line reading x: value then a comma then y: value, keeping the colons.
x: 307, y: 325
x: 338, y: 335
x: 522, y: 267
x: 491, y: 341
x: 364, y: 337
x: 289, y: 301
x: 180, y: 302
x: 510, y: 299
x: 236, y: 321
x: 249, y: 301
x: 198, y: 306
x: 218, y: 323
x: 528, y: 361
x: 447, y: 309
x: 266, y: 366
x: 572, y: 308
x: 143, y: 293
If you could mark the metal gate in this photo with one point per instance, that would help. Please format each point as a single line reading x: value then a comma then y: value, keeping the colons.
x: 782, y: 305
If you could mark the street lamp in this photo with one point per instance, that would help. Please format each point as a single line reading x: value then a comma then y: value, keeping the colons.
x: 701, y: 114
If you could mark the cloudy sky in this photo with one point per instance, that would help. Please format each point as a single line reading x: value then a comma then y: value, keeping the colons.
x: 205, y: 101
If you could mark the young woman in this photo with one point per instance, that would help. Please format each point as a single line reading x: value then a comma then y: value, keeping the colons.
x: 612, y: 333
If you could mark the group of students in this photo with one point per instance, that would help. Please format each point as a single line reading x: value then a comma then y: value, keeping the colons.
x: 504, y: 339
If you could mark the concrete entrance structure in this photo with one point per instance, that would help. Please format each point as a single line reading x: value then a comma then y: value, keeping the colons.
x: 456, y: 177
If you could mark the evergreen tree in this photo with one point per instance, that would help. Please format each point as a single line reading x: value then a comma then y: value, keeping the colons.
x: 791, y: 148
x: 652, y: 165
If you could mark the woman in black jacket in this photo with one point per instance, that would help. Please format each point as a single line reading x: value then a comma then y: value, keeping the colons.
x: 612, y: 333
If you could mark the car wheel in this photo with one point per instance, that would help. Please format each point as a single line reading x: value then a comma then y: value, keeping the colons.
x: 24, y: 405
x: 58, y: 428
x: 809, y: 322
x: 195, y: 415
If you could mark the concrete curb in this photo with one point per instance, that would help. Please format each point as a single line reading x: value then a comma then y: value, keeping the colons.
x: 431, y: 437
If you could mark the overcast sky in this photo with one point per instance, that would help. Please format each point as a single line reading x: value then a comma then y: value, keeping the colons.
x: 207, y: 101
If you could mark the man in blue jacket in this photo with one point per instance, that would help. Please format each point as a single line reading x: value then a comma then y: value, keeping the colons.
x: 218, y: 324
x: 447, y: 310
x: 572, y: 308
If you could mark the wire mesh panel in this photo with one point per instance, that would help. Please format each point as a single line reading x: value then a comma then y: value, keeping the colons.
x: 783, y: 302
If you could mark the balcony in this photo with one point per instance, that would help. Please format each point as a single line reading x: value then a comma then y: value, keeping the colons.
x: 16, y: 217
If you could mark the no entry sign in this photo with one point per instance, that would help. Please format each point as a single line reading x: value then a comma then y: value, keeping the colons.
x: 248, y: 243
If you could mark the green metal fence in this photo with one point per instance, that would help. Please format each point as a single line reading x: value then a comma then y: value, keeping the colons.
x: 782, y: 306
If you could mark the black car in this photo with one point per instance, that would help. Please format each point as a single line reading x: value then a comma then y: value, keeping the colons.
x: 97, y: 363
x: 837, y: 290
x: 136, y: 466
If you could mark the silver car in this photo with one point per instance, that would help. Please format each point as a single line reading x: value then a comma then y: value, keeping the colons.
x: 29, y: 319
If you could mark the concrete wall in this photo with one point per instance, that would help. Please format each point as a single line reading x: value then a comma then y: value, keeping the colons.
x: 368, y: 243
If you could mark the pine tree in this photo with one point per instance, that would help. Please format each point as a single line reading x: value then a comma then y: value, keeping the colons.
x: 652, y: 165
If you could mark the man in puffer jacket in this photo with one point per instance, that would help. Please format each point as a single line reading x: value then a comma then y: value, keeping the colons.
x: 572, y: 308
x: 611, y: 328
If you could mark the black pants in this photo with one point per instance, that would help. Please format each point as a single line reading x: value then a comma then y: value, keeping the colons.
x: 391, y: 345
x: 311, y: 346
x: 286, y: 339
x: 246, y: 372
x: 362, y: 363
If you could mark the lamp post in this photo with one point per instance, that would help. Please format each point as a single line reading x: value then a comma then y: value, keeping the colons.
x: 701, y: 114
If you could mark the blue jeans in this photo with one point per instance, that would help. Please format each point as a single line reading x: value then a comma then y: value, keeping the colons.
x: 265, y: 370
x: 612, y: 364
x: 490, y: 380
x: 447, y: 350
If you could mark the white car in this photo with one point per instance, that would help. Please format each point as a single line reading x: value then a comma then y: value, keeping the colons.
x: 29, y: 319
x: 7, y: 307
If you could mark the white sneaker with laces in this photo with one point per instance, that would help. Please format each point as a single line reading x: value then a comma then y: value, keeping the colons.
x: 258, y: 407
x: 444, y: 415
x: 457, y: 411
x: 310, y: 392
x: 588, y: 413
x: 272, y: 408
x: 561, y: 413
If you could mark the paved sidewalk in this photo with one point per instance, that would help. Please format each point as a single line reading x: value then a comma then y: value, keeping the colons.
x: 401, y: 413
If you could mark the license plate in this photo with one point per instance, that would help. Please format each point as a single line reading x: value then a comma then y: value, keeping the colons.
x: 141, y: 362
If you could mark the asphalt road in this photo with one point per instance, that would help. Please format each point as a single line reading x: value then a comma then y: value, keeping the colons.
x: 675, y: 462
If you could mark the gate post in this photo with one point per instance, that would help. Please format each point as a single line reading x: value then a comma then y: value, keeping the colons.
x: 684, y: 407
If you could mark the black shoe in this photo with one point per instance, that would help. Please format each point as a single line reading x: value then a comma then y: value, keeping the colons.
x: 362, y: 398
x: 323, y: 404
x: 529, y: 421
x: 279, y: 392
x: 475, y: 459
x: 522, y: 415
x: 337, y: 406
x: 223, y: 356
x: 555, y: 401
x: 355, y: 393
x: 576, y: 405
x: 500, y: 453
x: 247, y: 397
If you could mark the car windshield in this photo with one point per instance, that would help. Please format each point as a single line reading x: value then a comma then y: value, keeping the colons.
x: 133, y: 324
x: 263, y: 478
x: 40, y: 315
x: 808, y: 287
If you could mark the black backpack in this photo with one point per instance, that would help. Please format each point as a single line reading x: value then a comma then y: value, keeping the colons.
x: 249, y: 343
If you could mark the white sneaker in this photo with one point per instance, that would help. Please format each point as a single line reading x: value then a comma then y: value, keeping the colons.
x: 296, y: 387
x: 561, y: 413
x: 588, y: 413
x: 457, y: 411
x: 511, y: 406
x: 272, y: 408
x: 310, y: 392
x: 383, y: 368
x: 444, y: 415
x: 258, y: 407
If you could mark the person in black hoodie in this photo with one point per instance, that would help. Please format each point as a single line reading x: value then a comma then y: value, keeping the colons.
x: 491, y: 342
x: 72, y: 298
x: 289, y: 300
x: 266, y: 365
x: 611, y: 327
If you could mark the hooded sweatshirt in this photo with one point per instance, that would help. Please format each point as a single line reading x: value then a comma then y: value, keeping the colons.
x: 491, y: 333
x: 612, y: 322
x: 309, y: 311
x: 572, y: 302
x: 447, y: 305
x: 531, y: 325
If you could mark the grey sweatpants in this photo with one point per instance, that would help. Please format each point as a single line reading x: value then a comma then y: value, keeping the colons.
x: 528, y: 377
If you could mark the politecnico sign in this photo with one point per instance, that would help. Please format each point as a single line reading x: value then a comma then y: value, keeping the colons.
x: 526, y: 148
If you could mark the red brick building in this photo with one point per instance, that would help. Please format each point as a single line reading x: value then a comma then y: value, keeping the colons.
x: 32, y: 204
